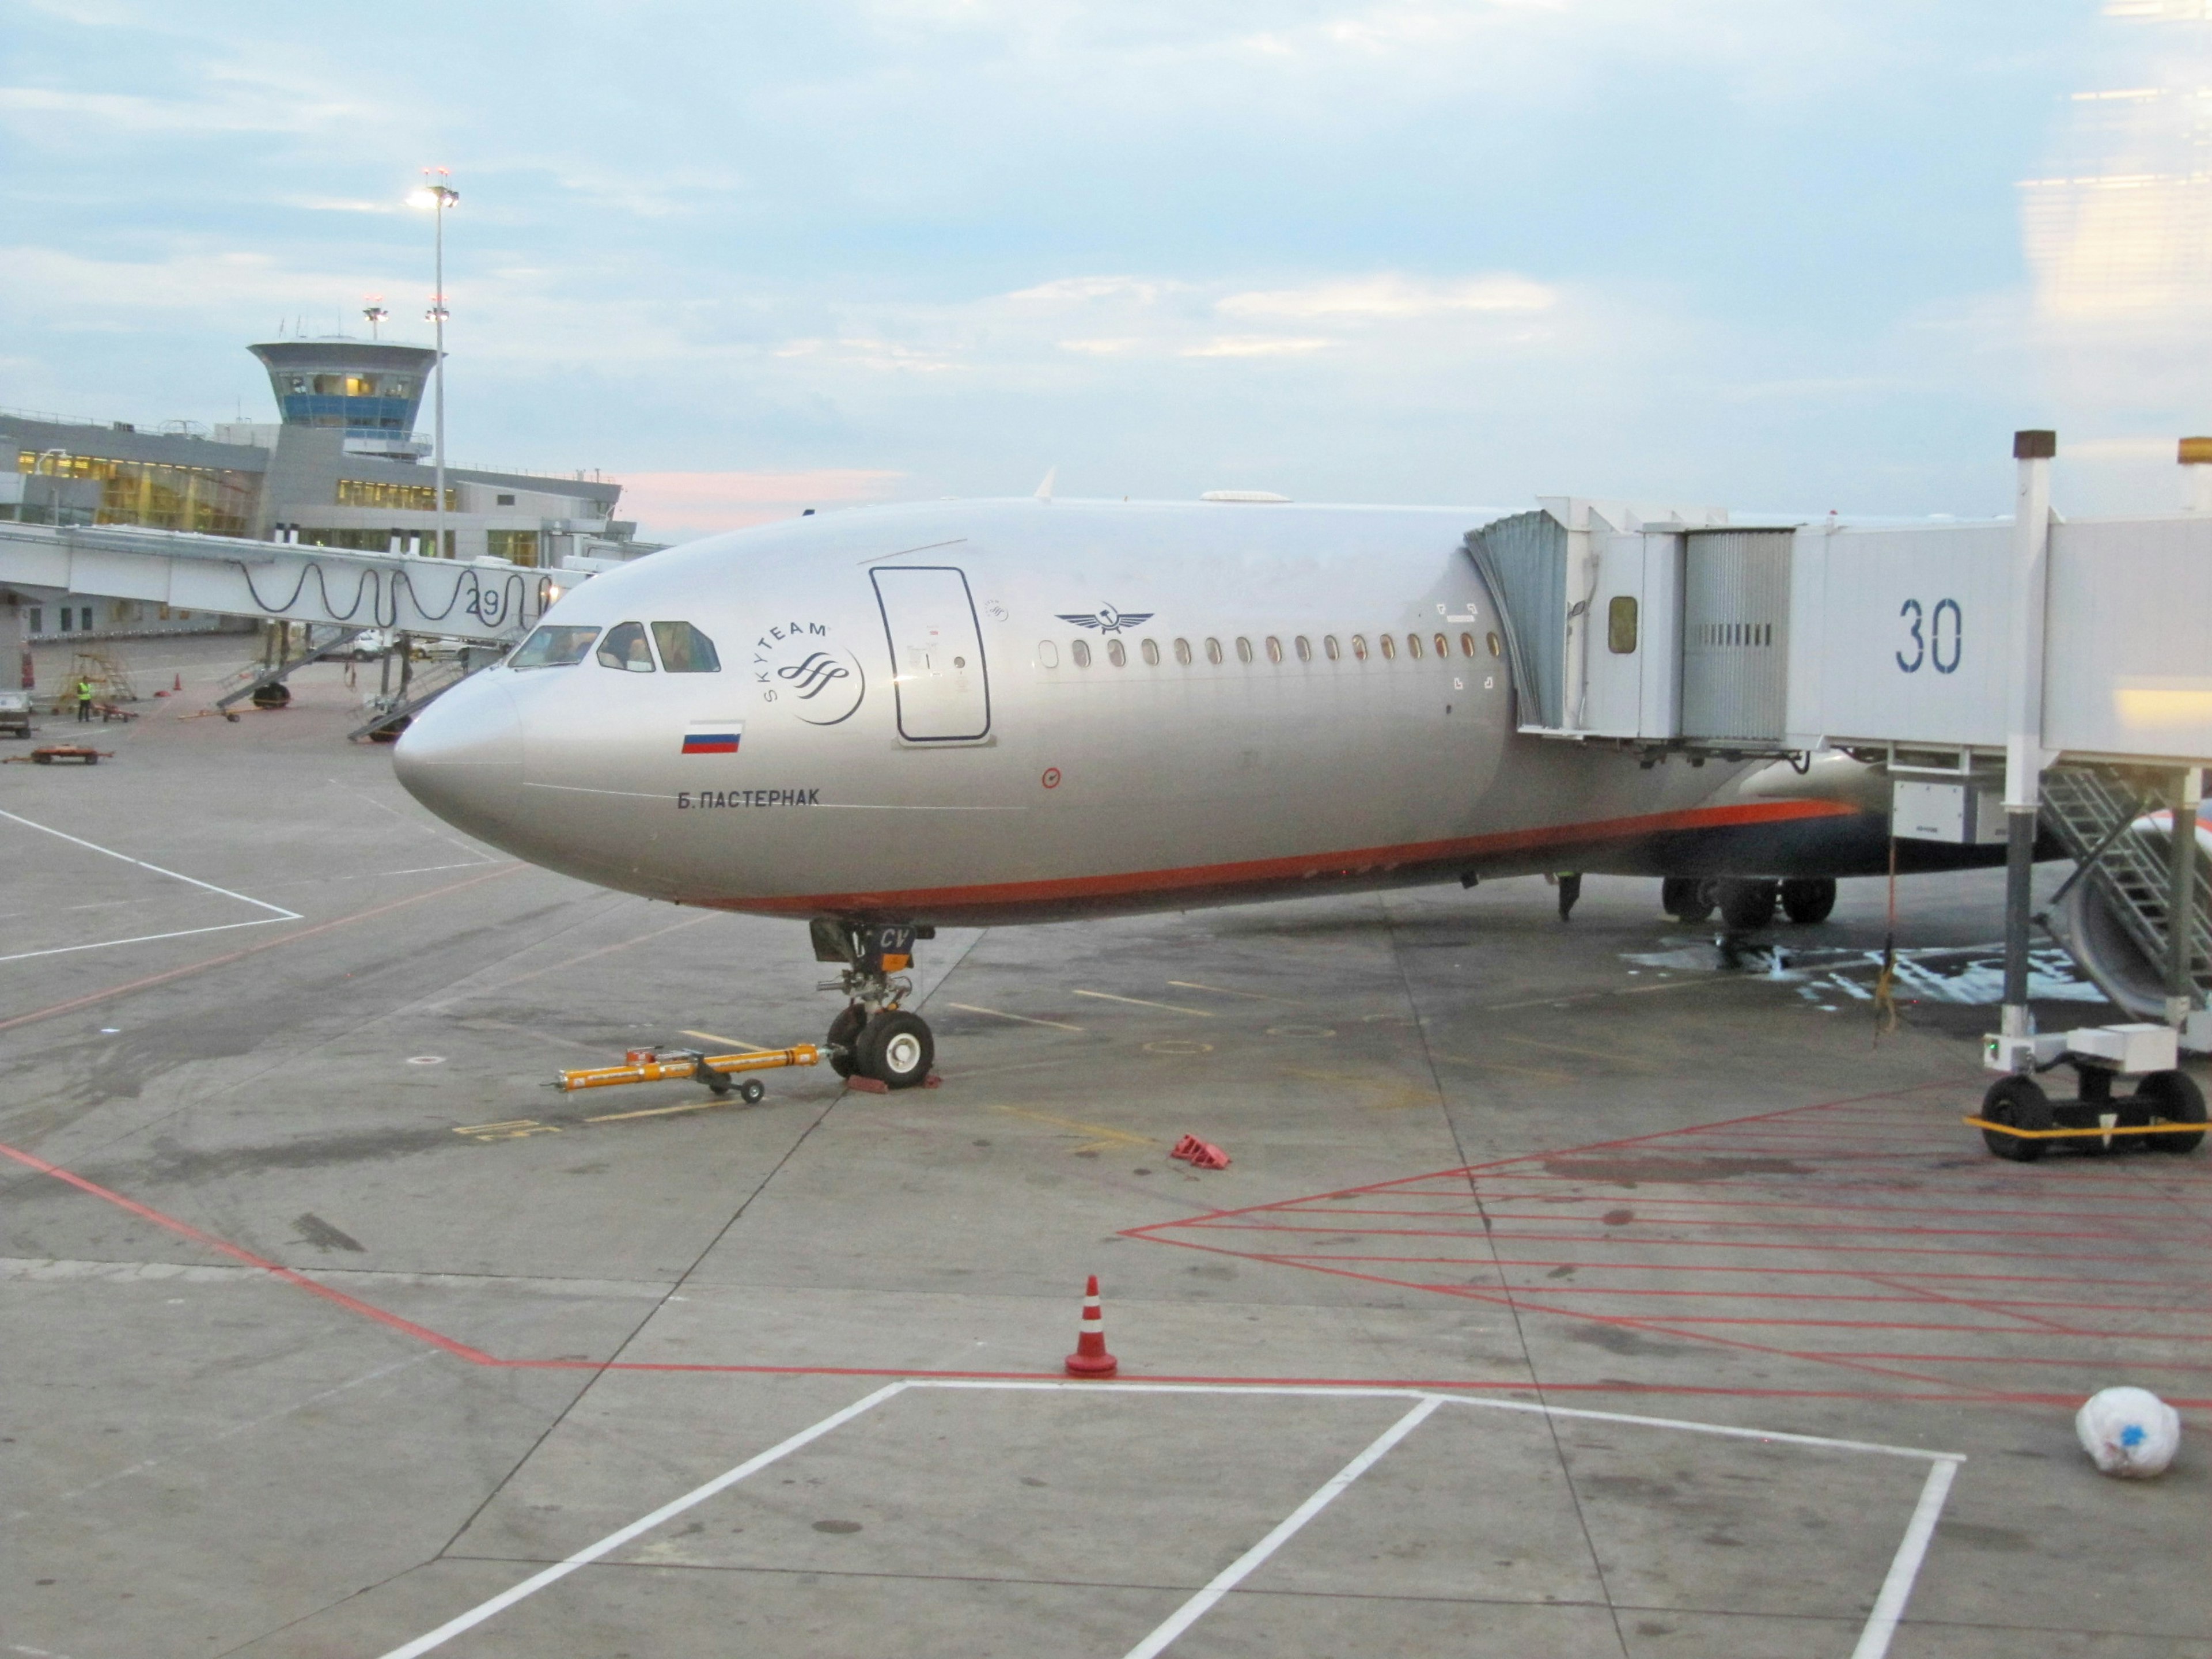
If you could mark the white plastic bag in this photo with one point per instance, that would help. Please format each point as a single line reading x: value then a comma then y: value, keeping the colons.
x: 2130, y: 1433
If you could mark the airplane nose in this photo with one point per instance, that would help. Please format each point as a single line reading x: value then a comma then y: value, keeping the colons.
x: 462, y: 758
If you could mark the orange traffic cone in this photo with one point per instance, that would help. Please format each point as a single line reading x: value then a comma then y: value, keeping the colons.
x: 179, y: 683
x: 1091, y: 1358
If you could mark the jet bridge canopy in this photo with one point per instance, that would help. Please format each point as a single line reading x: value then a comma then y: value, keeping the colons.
x: 1682, y: 631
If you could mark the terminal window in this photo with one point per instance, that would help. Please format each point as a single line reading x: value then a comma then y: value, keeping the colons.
x: 515, y: 546
x: 408, y: 498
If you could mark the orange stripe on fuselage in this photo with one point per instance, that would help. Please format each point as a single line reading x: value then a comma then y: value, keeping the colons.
x: 1306, y: 867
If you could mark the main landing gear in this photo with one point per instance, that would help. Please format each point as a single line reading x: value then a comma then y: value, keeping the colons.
x: 873, y: 1037
x: 1747, y: 906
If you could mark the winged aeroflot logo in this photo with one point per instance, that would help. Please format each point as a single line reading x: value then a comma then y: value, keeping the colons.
x: 1108, y: 619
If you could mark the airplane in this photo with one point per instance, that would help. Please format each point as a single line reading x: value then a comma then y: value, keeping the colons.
x: 890, y: 720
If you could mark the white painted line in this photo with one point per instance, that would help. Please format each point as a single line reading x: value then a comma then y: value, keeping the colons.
x: 277, y: 912
x: 148, y: 938
x: 1230, y: 1575
x: 1001, y: 1013
x: 1905, y: 1567
x: 615, y: 1541
x: 1223, y: 991
x: 1355, y: 1391
x: 1138, y: 1002
x: 1873, y: 1640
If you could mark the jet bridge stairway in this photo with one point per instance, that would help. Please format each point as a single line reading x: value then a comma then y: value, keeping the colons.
x: 2094, y: 812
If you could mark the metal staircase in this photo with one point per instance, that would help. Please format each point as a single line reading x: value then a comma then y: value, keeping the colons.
x: 2092, y: 811
x: 247, y: 681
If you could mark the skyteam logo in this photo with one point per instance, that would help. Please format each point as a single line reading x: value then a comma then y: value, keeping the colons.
x: 799, y: 667
x: 1106, y: 620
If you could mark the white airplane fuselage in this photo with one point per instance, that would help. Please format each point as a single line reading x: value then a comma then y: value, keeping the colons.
x: 1006, y: 711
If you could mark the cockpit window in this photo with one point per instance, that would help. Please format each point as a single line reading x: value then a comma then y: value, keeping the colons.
x: 553, y: 648
x: 684, y: 649
x: 624, y: 647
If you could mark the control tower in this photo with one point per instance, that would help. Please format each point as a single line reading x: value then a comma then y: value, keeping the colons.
x: 368, y: 389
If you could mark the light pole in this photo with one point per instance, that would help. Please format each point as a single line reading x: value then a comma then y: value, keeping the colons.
x: 376, y: 313
x: 437, y: 195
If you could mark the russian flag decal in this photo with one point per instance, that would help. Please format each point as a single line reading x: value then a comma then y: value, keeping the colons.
x: 713, y: 736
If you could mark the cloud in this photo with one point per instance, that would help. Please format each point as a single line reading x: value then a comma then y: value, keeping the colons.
x: 1392, y: 298
x: 683, y: 505
x: 1100, y: 347
x: 1253, y: 345
x: 1070, y: 290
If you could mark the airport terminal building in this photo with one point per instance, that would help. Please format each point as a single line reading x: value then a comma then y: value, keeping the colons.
x: 341, y: 467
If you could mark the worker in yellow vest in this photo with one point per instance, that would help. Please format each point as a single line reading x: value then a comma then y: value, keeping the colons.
x: 84, y: 699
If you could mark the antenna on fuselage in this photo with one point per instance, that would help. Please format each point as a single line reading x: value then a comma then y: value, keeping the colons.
x: 1044, y: 489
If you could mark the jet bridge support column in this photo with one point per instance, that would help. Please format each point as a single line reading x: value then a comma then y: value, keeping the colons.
x: 2024, y: 732
x: 2181, y: 897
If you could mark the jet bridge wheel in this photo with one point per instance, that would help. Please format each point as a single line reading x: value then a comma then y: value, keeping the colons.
x: 1748, y: 906
x: 895, y: 1049
x: 2021, y: 1102
x: 1809, y: 899
x: 1688, y: 899
x: 2174, y: 1097
x: 845, y: 1036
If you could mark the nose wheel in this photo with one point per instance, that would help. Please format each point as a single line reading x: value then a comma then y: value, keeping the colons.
x: 873, y: 1037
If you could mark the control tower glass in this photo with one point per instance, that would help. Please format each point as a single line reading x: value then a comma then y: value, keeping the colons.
x: 367, y: 389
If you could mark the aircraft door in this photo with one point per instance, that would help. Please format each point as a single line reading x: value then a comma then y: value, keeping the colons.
x: 938, y: 673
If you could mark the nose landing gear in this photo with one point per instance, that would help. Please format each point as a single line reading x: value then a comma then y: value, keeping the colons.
x: 873, y: 1037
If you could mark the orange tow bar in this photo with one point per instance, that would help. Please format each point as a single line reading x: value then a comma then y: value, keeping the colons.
x: 671, y: 1065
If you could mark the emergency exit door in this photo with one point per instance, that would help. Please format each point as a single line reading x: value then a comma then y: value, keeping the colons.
x: 943, y: 691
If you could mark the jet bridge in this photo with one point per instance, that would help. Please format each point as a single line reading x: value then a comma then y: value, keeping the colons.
x: 485, y: 599
x: 2005, y: 674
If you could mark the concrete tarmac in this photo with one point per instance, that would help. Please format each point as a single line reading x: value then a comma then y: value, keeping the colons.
x: 326, y: 1326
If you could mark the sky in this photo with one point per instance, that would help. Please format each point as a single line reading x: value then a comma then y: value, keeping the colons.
x: 747, y: 259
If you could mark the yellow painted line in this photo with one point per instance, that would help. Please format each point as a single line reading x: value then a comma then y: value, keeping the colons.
x: 1099, y: 1132
x: 2098, y: 1133
x: 1138, y: 1002
x: 1569, y: 1048
x: 735, y: 1042
x: 1502, y: 1065
x: 1566, y: 998
x: 1390, y: 1097
x: 1223, y: 991
x: 1001, y: 1013
x: 661, y: 1111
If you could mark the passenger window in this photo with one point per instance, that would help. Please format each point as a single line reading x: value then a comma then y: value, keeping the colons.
x: 548, y: 648
x: 1274, y: 649
x: 1467, y: 644
x: 1243, y: 650
x: 1412, y: 645
x: 1047, y: 654
x: 1304, y: 647
x: 684, y: 649
x: 1082, y: 653
x: 1620, y: 624
x: 1389, y: 647
x: 624, y: 648
x: 1329, y: 645
x: 1214, y: 651
x: 1182, y: 651
x: 1152, y: 653
x: 1116, y: 653
x: 1359, y: 647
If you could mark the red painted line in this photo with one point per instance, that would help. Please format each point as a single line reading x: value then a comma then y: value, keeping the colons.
x: 1263, y: 873
x: 1616, y: 1237
x: 1595, y: 1264
x: 1644, y: 1221
x: 224, y: 1246
x: 1641, y: 1201
x: 151, y: 980
x: 1938, y: 1393
x: 1467, y: 1172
